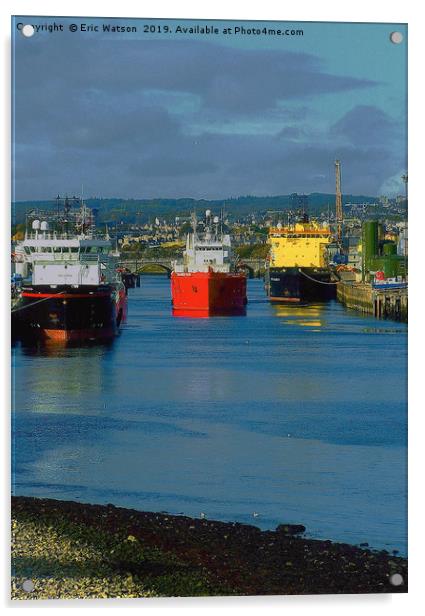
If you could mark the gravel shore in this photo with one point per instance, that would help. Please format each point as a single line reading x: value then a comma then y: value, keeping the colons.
x: 64, y: 549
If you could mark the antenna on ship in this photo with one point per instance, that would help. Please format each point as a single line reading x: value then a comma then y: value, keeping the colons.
x: 194, y: 222
x: 83, y: 211
x: 216, y: 222
x: 338, y: 204
x: 208, y: 225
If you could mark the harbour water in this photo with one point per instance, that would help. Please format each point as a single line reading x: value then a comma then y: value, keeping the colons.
x: 283, y: 415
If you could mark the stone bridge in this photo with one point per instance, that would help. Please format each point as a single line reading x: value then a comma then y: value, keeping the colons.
x: 254, y: 268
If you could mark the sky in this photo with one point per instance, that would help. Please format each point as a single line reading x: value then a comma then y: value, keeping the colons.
x: 170, y: 115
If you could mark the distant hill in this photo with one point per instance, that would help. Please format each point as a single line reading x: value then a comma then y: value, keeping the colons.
x: 143, y: 210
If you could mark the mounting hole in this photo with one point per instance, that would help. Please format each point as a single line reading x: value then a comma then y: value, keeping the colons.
x: 396, y: 579
x: 28, y: 30
x: 396, y: 38
x: 28, y: 585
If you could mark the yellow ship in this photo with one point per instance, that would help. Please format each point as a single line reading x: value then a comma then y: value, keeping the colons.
x: 298, y: 269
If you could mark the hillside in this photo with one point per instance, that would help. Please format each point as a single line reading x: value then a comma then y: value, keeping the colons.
x: 143, y: 210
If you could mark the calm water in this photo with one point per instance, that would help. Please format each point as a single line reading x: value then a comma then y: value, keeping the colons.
x: 297, y: 414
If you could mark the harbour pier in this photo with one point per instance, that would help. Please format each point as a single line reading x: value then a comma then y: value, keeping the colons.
x: 382, y: 303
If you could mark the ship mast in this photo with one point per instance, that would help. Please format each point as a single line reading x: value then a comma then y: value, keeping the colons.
x: 338, y: 203
x: 194, y: 223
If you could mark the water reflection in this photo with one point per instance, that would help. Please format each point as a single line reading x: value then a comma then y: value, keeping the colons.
x: 241, y: 415
x: 61, y: 379
x: 312, y: 315
x: 52, y: 348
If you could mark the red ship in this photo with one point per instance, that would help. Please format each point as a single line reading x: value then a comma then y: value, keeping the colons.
x: 206, y: 282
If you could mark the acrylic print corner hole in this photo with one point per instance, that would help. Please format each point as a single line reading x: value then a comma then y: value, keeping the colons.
x: 209, y: 299
x: 28, y: 30
x: 396, y: 37
x: 396, y: 579
x: 28, y: 586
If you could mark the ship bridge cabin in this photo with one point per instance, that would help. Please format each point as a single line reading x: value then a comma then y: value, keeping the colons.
x: 300, y: 245
x: 201, y: 255
x: 57, y: 260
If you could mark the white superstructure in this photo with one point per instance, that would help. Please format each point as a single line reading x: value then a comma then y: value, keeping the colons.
x: 68, y: 254
x: 207, y: 250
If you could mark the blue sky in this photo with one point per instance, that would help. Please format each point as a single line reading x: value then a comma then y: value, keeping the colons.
x: 208, y: 116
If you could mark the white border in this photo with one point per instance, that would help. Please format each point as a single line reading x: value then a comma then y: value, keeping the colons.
x: 308, y: 10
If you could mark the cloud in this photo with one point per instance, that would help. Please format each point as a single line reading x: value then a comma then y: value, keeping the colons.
x: 366, y: 124
x: 394, y: 185
x: 226, y: 79
x: 291, y: 133
x: 145, y: 118
x: 212, y: 166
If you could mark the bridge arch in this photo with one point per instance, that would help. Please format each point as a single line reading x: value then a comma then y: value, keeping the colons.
x: 141, y: 269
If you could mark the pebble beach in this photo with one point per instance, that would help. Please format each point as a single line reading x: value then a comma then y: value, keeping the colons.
x: 64, y: 549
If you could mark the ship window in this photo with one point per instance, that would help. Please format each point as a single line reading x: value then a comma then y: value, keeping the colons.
x: 74, y: 249
x: 32, y: 248
x: 57, y: 249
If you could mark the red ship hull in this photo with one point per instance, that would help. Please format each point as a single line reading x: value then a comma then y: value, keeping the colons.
x: 204, y: 294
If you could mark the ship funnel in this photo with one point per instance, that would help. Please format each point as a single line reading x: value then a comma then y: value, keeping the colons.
x: 44, y: 226
x: 35, y: 225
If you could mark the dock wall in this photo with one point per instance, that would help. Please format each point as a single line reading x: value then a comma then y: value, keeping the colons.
x: 383, y: 304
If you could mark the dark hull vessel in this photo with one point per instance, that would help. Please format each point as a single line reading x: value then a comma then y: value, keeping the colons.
x: 68, y: 314
x: 72, y: 289
x: 300, y: 285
